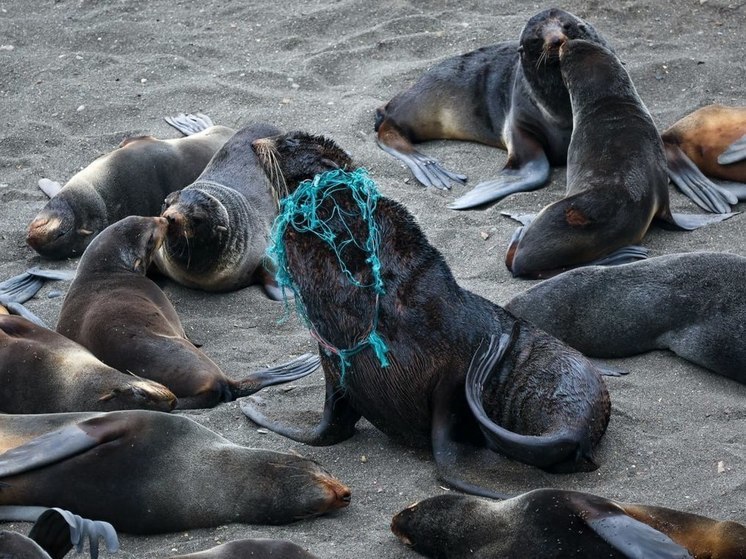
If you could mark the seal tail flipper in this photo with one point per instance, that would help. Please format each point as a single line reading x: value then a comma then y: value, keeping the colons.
x: 57, y: 531
x: 734, y: 152
x: 19, y: 289
x: 49, y: 187
x: 292, y: 370
x: 690, y: 222
x: 738, y: 189
x: 693, y: 184
x: 553, y: 451
x: 189, y: 124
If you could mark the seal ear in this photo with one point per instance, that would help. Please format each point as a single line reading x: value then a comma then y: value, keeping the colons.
x: 110, y: 396
x: 138, y: 266
x: 221, y: 228
x: 329, y: 163
x: 84, y: 232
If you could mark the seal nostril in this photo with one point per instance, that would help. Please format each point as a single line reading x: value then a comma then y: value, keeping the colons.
x: 346, y: 496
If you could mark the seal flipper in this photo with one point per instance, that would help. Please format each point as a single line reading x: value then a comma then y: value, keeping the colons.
x: 19, y: 289
x: 623, y: 255
x: 292, y: 370
x: 690, y: 222
x: 524, y: 219
x: 57, y: 531
x: 49, y: 187
x: 266, y: 278
x: 189, y: 124
x: 697, y: 187
x: 337, y: 423
x: 734, y: 152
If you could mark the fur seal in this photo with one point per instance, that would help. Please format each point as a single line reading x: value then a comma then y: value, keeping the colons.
x: 691, y: 304
x: 711, y: 140
x: 131, y: 180
x: 218, y: 225
x: 150, y: 472
x: 44, y: 372
x: 508, y: 95
x: 125, y: 320
x: 616, y: 174
x: 552, y: 523
x: 525, y: 394
x: 259, y: 548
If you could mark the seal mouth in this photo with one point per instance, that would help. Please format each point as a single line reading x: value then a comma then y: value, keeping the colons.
x: 177, y: 223
x: 398, y: 532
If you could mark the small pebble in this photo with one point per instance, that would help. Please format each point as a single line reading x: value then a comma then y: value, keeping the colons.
x: 7, y: 47
x: 721, y: 467
x: 262, y: 431
x: 484, y: 235
x: 81, y: 108
x: 54, y: 294
x: 363, y: 458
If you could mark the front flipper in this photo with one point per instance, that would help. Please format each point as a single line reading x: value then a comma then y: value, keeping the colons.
x: 734, y: 152
x: 57, y: 531
x: 189, y: 124
x: 49, y: 187
x: 530, y: 176
x: 623, y: 255
x: 544, y: 451
x: 693, y: 184
x: 265, y: 277
x: 427, y: 170
x: 690, y: 222
x: 524, y: 219
x: 292, y: 370
x: 337, y: 424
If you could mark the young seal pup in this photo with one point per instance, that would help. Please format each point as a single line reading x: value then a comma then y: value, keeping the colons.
x: 218, y: 225
x: 616, y: 174
x: 534, y: 398
x: 149, y: 473
x: 125, y: 320
x: 552, y: 523
x: 131, y: 180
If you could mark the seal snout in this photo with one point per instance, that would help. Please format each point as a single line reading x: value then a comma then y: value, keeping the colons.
x: 176, y: 221
x: 339, y: 494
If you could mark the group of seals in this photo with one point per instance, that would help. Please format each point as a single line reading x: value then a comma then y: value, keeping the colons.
x: 692, y: 304
x: 552, y: 523
x: 218, y: 225
x: 616, y: 174
x: 131, y: 180
x: 539, y: 401
x: 149, y: 472
x: 127, y: 322
x: 509, y: 95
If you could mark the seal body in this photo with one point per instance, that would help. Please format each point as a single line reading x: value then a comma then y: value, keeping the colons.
x: 553, y: 524
x: 218, y: 225
x: 259, y: 548
x: 132, y: 180
x: 125, y: 320
x: 692, y: 304
x: 137, y: 470
x: 44, y: 372
x: 616, y: 172
x: 545, y: 404
x: 510, y: 95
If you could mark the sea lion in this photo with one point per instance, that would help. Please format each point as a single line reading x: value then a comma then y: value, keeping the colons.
x: 711, y: 140
x: 433, y: 328
x: 126, y: 321
x: 44, y: 372
x: 149, y: 472
x: 616, y: 174
x: 54, y: 533
x: 552, y: 523
x: 508, y: 95
x: 218, y: 225
x: 131, y: 180
x: 692, y: 304
x: 260, y: 549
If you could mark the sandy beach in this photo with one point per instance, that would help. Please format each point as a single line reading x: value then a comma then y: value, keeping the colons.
x: 81, y: 75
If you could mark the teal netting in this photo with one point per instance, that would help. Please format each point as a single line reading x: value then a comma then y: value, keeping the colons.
x: 300, y: 211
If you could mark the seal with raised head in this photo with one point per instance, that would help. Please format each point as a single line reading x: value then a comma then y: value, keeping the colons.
x: 259, y: 548
x: 44, y: 372
x: 131, y: 180
x: 692, y: 304
x: 149, y: 472
x: 218, y: 225
x: 126, y: 321
x: 616, y: 175
x: 552, y: 523
x: 524, y: 393
x: 508, y: 95
x: 711, y: 140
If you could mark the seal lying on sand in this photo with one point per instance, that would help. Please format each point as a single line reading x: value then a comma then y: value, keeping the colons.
x: 711, y: 140
x: 150, y: 472
x: 692, y: 304
x: 218, y: 225
x: 125, y: 320
x: 551, y: 523
x: 540, y: 401
x: 509, y: 95
x: 131, y: 180
x: 616, y: 174
x: 44, y: 372
x: 261, y: 549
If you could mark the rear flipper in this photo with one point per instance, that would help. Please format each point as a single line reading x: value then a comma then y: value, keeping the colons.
x: 562, y: 451
x: 690, y: 222
x: 690, y: 180
x: 189, y: 124
x: 292, y: 370
x: 734, y: 153
x: 738, y: 189
x: 19, y: 289
x: 265, y: 277
x: 57, y: 531
x: 623, y: 255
